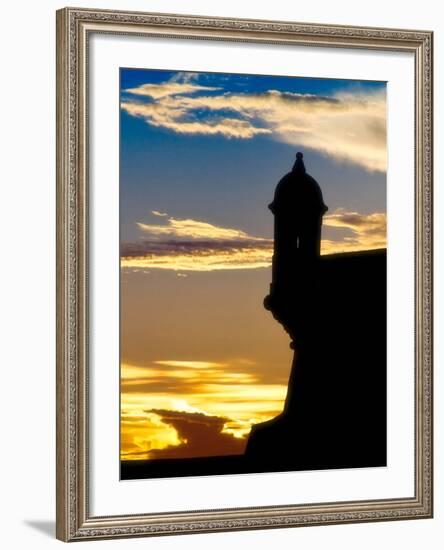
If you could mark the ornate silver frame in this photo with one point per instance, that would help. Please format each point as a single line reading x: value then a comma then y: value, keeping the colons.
x: 74, y: 521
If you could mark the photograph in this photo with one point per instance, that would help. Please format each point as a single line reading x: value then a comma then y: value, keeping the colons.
x: 252, y: 273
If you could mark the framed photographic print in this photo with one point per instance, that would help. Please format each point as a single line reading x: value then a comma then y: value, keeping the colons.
x: 244, y: 274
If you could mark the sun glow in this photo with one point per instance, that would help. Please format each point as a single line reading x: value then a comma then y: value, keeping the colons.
x: 224, y: 397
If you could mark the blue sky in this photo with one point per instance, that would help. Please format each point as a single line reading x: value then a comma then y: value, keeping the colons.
x: 131, y: 78
x: 228, y: 180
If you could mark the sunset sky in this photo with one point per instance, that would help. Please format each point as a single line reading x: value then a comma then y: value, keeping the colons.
x: 201, y: 154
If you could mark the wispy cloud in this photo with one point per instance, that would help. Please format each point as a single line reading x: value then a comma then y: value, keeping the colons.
x: 168, y: 114
x: 170, y: 88
x: 195, y: 245
x: 196, y: 229
x: 190, y: 364
x: 208, y: 255
x: 349, y: 127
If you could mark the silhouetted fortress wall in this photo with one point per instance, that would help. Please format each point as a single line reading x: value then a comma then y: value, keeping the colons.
x: 336, y: 408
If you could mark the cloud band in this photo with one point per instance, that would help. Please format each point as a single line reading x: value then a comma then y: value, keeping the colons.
x: 194, y: 245
x: 348, y: 127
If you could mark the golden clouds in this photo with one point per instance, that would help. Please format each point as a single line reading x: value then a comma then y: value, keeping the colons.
x: 200, y: 259
x: 167, y: 402
x: 190, y: 364
x: 194, y: 245
x: 196, y: 229
x: 363, y: 232
x: 348, y: 127
x: 134, y: 443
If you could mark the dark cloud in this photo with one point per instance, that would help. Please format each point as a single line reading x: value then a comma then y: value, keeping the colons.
x: 201, y: 435
x: 303, y: 98
x: 168, y: 247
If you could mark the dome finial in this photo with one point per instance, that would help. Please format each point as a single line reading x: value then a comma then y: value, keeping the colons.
x: 299, y: 166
